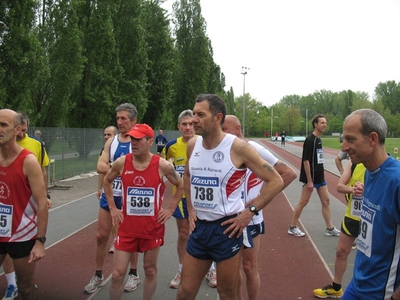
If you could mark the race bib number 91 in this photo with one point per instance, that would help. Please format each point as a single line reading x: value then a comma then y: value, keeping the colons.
x: 140, y: 201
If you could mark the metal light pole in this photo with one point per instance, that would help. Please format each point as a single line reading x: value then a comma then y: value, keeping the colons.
x: 244, y: 72
x: 272, y: 120
x: 306, y: 122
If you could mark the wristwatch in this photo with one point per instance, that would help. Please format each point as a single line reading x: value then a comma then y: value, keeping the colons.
x: 253, y: 209
x: 41, y: 239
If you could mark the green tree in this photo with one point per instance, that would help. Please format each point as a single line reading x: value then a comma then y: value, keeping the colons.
x: 62, y: 41
x: 162, y: 59
x: 389, y: 92
x: 19, y: 46
x: 97, y: 93
x: 130, y: 39
x: 194, y: 60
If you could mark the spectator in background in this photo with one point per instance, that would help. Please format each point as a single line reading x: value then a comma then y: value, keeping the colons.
x: 276, y: 136
x: 161, y: 141
x: 338, y: 160
x: 312, y: 176
x: 283, y: 138
x: 38, y: 135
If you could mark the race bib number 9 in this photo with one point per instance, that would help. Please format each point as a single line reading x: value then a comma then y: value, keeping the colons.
x: 364, y: 241
x: 140, y: 201
x: 5, y: 220
x: 204, y: 192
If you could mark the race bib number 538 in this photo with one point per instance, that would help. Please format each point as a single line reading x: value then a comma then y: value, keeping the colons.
x: 140, y: 201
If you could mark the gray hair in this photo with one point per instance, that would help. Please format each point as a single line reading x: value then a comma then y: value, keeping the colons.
x: 129, y: 108
x: 23, y: 118
x: 188, y: 113
x: 371, y: 121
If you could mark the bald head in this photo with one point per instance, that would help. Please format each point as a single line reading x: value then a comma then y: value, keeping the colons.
x: 110, y: 132
x: 232, y: 125
x: 10, y: 125
x: 11, y: 115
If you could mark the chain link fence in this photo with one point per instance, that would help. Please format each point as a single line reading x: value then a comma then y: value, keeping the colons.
x: 72, y: 151
x: 75, y: 151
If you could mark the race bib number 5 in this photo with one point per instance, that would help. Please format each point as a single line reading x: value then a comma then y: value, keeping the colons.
x: 5, y: 220
x: 140, y: 201
x: 204, y: 192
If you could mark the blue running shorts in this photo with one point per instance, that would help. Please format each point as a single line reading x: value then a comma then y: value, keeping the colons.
x: 255, y: 230
x: 104, y: 204
x: 208, y: 241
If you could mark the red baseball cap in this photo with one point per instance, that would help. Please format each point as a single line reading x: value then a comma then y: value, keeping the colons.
x: 141, y: 130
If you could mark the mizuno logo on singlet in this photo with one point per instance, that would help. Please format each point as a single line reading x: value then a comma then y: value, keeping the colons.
x: 4, y: 209
x: 207, y: 181
x: 134, y: 191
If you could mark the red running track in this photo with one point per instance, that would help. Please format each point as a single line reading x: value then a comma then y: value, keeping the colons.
x: 290, y: 268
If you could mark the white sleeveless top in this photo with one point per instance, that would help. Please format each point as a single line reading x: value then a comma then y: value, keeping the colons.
x: 216, y: 184
x: 118, y: 149
x: 253, y: 184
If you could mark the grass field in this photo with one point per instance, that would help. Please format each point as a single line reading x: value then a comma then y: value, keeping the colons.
x: 390, y: 143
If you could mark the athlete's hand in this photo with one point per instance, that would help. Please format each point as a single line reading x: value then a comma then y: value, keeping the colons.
x: 49, y: 203
x: 37, y: 252
x: 192, y: 219
x: 164, y: 215
x: 358, y: 189
x: 99, y: 191
x: 310, y: 186
x: 238, y: 223
x: 116, y: 216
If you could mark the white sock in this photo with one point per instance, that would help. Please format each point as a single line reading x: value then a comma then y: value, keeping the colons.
x: 180, y: 268
x: 11, y: 279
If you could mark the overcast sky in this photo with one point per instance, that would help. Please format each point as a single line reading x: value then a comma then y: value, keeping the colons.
x: 302, y: 46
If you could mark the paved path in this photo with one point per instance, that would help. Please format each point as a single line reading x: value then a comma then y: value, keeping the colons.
x: 290, y: 267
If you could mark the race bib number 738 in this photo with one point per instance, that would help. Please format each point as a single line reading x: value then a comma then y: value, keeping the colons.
x: 204, y: 192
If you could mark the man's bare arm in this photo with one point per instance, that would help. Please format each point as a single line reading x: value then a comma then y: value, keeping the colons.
x: 103, y: 165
